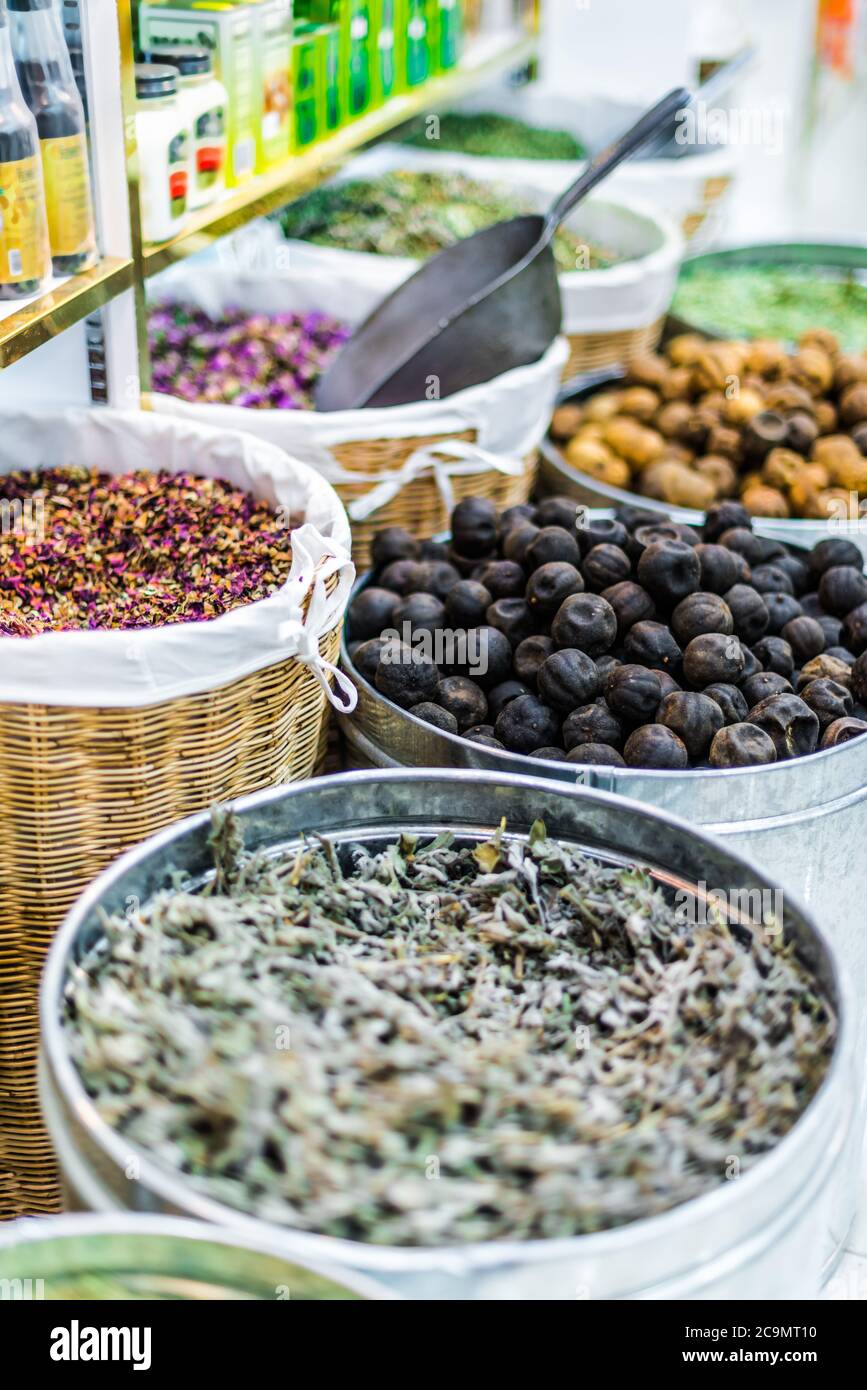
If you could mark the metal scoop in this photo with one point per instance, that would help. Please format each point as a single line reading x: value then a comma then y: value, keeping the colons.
x: 481, y: 307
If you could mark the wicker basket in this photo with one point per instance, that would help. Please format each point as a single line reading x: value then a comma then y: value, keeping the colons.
x: 587, y: 351
x: 79, y: 786
x: 186, y: 718
x: 419, y: 506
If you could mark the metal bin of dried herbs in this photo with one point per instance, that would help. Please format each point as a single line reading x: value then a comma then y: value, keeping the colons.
x: 301, y: 1036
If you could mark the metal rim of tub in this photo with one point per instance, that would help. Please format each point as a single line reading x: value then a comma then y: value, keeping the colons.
x: 105, y: 1244
x: 464, y: 1260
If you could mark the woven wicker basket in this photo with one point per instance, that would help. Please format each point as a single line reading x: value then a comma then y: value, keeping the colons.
x: 419, y: 506
x: 590, y: 350
x: 79, y: 786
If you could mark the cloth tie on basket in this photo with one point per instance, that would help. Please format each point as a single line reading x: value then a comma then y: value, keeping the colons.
x: 301, y: 635
x: 446, y: 459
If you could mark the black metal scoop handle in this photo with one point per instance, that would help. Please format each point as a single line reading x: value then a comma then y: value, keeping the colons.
x: 658, y: 118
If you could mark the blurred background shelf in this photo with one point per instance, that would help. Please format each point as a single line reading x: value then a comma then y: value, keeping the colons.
x: 27, y: 324
x: 485, y: 59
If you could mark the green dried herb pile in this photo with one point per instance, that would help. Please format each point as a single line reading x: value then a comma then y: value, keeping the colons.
x: 434, y: 1043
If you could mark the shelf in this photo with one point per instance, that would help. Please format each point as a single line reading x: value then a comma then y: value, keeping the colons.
x: 26, y: 324
x: 485, y: 59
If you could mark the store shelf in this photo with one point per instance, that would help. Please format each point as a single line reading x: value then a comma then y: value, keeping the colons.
x: 484, y: 60
x: 26, y: 324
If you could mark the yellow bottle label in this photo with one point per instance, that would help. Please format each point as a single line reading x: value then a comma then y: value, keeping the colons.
x: 67, y: 195
x: 24, y: 253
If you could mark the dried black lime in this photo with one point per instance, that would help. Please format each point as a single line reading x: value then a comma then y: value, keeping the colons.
x: 592, y: 723
x: 595, y: 755
x: 463, y: 699
x: 567, y: 679
x: 527, y: 723
x: 550, y: 584
x: 713, y: 659
x: 529, y: 656
x: 586, y: 621
x: 467, y: 602
x: 700, y: 612
x: 654, y: 745
x: 372, y: 610
x: 742, y: 745
x: 730, y: 700
x: 694, y: 718
x: 437, y: 716
x: 790, y: 724
x: 828, y: 700
x: 633, y: 693
x: 775, y: 654
x: 669, y: 570
x: 652, y: 644
x: 406, y: 678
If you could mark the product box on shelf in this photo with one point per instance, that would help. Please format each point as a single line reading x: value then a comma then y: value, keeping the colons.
x: 420, y: 31
x: 273, y: 44
x: 229, y: 31
x: 357, y: 50
x: 447, y: 34
x: 324, y: 16
x: 388, y: 19
x: 307, y: 80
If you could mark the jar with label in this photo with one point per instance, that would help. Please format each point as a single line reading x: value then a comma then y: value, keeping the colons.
x: 163, y: 136
x: 203, y: 99
x: 49, y: 88
x: 25, y: 257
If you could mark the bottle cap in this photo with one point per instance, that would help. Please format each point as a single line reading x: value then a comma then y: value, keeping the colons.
x: 189, y: 61
x: 155, y: 80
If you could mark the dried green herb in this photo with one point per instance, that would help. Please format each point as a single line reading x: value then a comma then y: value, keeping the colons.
x: 416, y: 214
x: 491, y: 135
x: 432, y: 1043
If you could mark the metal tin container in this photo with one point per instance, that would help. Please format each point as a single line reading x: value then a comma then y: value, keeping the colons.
x: 557, y: 475
x: 86, y: 1257
x: 764, y: 1236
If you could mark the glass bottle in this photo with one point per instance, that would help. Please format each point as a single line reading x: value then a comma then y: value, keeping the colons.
x: 50, y: 90
x: 25, y: 259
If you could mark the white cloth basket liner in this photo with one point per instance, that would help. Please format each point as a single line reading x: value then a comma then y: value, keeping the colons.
x: 144, y: 666
x: 509, y: 414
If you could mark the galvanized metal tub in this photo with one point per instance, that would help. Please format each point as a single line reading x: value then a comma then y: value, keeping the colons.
x: 765, y: 1236
x: 158, y: 1257
x: 557, y: 475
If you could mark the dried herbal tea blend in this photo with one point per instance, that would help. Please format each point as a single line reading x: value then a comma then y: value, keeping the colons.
x: 263, y: 361
x: 132, y: 550
x: 433, y: 1043
x: 408, y: 213
x: 488, y: 133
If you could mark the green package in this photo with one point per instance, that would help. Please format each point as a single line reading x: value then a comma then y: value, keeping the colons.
x: 421, y: 28
x: 331, y: 84
x: 389, y: 40
x: 274, y: 35
x: 358, y: 57
x: 328, y: 16
x: 307, y: 74
x: 228, y: 30
x: 447, y: 34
